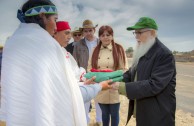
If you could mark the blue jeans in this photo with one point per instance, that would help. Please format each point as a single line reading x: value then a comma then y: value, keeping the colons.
x: 110, y: 110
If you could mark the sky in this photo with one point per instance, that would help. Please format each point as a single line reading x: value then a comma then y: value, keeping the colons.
x: 175, y: 18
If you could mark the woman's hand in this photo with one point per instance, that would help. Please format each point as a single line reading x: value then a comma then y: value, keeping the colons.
x: 106, y: 84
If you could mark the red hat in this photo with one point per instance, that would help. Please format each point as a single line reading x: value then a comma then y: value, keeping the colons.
x: 62, y: 25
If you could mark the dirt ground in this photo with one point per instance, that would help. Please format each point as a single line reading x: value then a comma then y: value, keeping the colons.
x: 182, y: 118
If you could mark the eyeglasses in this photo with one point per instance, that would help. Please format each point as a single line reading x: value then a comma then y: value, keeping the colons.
x: 140, y: 32
x: 76, y: 35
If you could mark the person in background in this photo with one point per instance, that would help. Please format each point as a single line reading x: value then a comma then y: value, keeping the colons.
x: 77, y: 36
x: 63, y: 36
x: 1, y: 53
x: 82, y: 52
x: 38, y: 87
x: 151, y: 80
x: 108, y: 55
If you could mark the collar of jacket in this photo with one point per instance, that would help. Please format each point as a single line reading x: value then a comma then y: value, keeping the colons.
x: 109, y: 47
x: 153, y: 49
x: 83, y: 42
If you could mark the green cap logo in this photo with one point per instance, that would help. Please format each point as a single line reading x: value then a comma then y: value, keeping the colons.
x: 144, y: 22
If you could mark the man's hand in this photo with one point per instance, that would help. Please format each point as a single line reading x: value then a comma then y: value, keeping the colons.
x: 90, y: 81
x: 105, y: 84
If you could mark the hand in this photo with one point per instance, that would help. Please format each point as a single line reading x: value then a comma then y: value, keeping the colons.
x: 105, y: 84
x: 90, y: 81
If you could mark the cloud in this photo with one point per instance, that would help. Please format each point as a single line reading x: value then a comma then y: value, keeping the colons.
x: 8, y: 22
x: 173, y: 44
x: 173, y: 17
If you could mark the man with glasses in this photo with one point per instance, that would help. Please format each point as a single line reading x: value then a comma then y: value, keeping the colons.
x: 82, y: 51
x: 77, y: 36
x: 151, y: 80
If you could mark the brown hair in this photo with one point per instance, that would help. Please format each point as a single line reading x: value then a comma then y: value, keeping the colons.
x: 117, y: 50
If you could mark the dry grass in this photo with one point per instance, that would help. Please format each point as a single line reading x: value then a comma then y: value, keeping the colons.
x: 182, y: 119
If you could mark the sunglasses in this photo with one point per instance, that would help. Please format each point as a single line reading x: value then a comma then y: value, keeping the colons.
x: 75, y: 35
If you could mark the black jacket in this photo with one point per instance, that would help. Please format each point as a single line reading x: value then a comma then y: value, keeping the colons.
x: 154, y: 89
x: 70, y: 48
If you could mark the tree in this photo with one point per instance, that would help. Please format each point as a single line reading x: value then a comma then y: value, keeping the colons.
x: 129, y: 50
x: 175, y: 52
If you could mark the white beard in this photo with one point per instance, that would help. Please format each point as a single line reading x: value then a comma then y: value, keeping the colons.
x: 141, y: 49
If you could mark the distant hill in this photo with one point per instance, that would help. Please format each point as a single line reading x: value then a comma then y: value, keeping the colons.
x: 179, y: 56
x: 184, y: 56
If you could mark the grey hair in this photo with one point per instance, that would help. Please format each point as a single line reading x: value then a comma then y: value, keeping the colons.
x: 156, y: 32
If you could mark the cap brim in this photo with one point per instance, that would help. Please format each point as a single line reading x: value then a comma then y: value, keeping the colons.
x: 88, y: 27
x: 134, y: 28
x: 76, y: 31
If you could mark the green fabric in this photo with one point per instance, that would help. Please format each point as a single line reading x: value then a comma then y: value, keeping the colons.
x: 144, y: 22
x: 122, y: 89
x: 116, y: 76
x: 117, y: 79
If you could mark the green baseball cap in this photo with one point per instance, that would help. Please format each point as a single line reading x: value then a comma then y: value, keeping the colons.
x: 144, y: 22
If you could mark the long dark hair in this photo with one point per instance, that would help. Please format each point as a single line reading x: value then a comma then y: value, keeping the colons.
x: 36, y: 19
x: 117, y: 50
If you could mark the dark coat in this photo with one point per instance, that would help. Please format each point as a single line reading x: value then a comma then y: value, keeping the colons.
x: 154, y: 89
x: 70, y: 48
x: 81, y: 53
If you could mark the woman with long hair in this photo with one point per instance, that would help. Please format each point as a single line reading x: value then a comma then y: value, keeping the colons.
x: 108, y: 55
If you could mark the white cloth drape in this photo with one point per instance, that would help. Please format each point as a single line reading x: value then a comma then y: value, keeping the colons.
x: 78, y: 71
x: 38, y: 86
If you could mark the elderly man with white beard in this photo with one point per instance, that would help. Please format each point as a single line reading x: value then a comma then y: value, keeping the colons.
x: 150, y: 82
